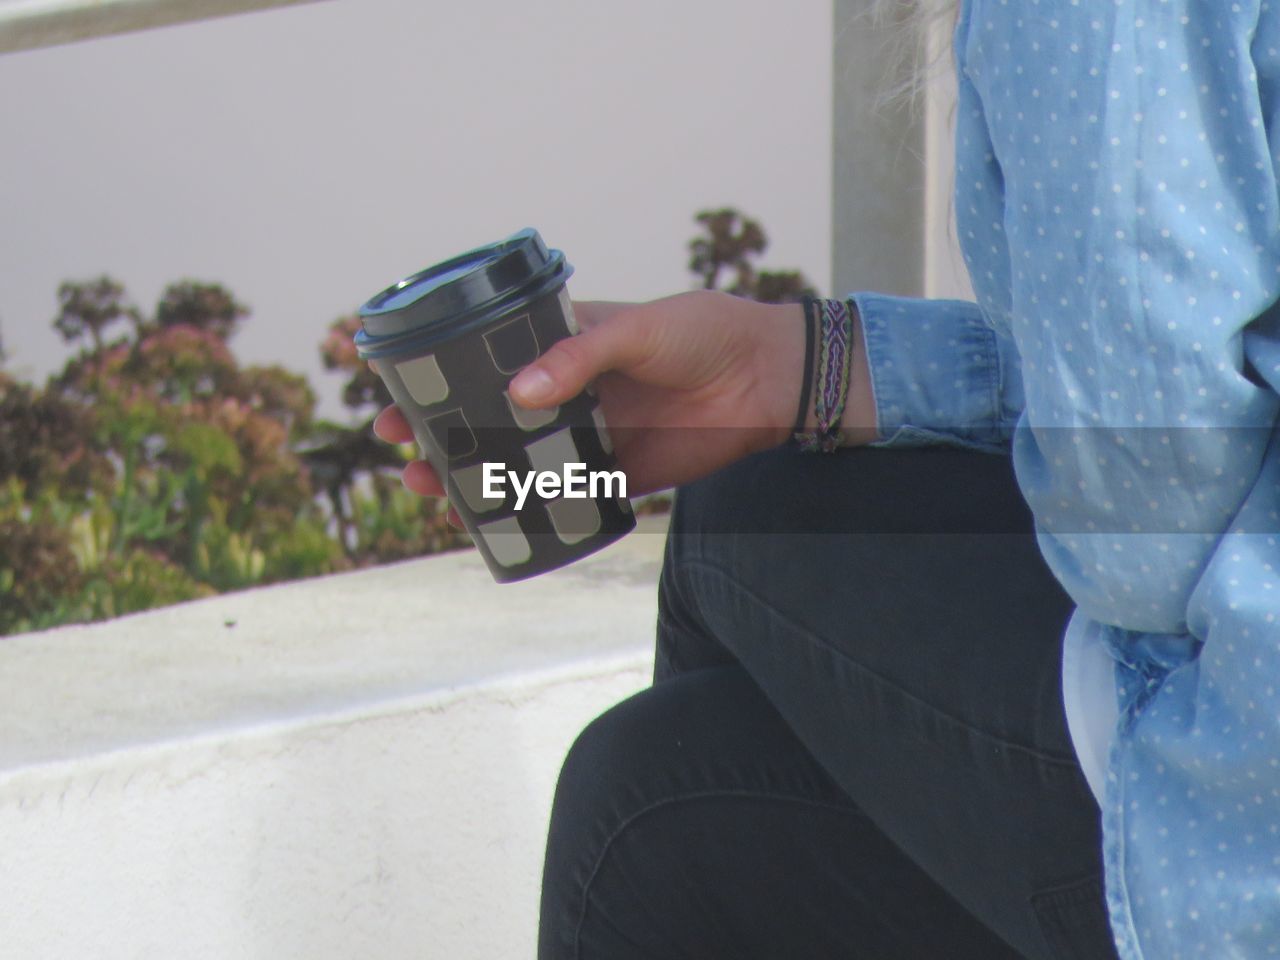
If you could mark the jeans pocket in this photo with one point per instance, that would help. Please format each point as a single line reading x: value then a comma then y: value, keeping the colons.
x: 1074, y: 921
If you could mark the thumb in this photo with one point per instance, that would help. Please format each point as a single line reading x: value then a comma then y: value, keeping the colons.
x: 570, y: 364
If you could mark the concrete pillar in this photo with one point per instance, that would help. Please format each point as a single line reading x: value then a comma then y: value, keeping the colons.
x: 892, y: 210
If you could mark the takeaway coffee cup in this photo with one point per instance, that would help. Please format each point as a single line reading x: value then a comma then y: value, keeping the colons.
x: 536, y: 489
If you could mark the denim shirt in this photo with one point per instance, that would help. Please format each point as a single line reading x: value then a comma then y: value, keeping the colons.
x: 1118, y: 209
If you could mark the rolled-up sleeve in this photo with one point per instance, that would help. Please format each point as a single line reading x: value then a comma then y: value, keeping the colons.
x: 940, y: 373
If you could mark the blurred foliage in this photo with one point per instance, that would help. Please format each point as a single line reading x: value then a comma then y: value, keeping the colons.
x: 722, y: 256
x: 154, y: 468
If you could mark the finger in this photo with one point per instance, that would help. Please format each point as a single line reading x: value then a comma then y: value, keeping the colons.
x: 619, y: 341
x: 390, y: 425
x: 454, y: 520
x: 421, y: 479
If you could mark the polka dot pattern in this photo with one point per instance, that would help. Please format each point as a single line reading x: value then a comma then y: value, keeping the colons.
x: 1118, y: 209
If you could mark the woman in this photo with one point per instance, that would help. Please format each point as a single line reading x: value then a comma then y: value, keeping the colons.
x: 857, y: 743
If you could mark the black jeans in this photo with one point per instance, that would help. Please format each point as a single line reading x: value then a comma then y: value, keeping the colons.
x: 855, y: 745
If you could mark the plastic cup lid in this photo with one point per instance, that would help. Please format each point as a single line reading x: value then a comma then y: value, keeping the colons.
x: 465, y: 287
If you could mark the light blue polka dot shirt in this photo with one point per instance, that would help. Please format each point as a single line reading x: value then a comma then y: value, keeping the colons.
x: 1118, y: 207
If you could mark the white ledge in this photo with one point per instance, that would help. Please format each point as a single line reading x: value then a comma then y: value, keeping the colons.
x: 26, y: 24
x: 357, y: 765
x: 329, y: 644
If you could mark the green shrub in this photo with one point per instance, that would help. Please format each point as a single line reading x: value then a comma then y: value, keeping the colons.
x: 154, y: 468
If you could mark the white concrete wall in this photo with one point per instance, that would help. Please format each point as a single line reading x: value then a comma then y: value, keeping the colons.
x: 361, y: 766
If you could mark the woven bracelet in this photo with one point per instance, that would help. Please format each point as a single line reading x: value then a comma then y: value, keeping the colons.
x: 831, y: 389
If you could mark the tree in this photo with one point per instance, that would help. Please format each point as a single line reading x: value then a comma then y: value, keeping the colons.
x: 157, y: 463
x: 89, y: 308
x: 730, y: 242
x: 46, y: 442
x: 200, y: 306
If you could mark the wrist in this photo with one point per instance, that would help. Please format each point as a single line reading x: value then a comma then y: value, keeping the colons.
x: 782, y: 354
x: 779, y: 375
x: 859, y: 425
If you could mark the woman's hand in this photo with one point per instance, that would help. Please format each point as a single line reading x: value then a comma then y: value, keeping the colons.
x: 687, y: 384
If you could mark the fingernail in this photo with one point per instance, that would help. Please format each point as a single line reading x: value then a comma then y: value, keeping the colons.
x: 532, y: 384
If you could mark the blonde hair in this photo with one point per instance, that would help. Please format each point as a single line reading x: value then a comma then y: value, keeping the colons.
x: 917, y: 35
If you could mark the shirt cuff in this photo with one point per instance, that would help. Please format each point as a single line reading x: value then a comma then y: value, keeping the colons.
x: 940, y: 374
